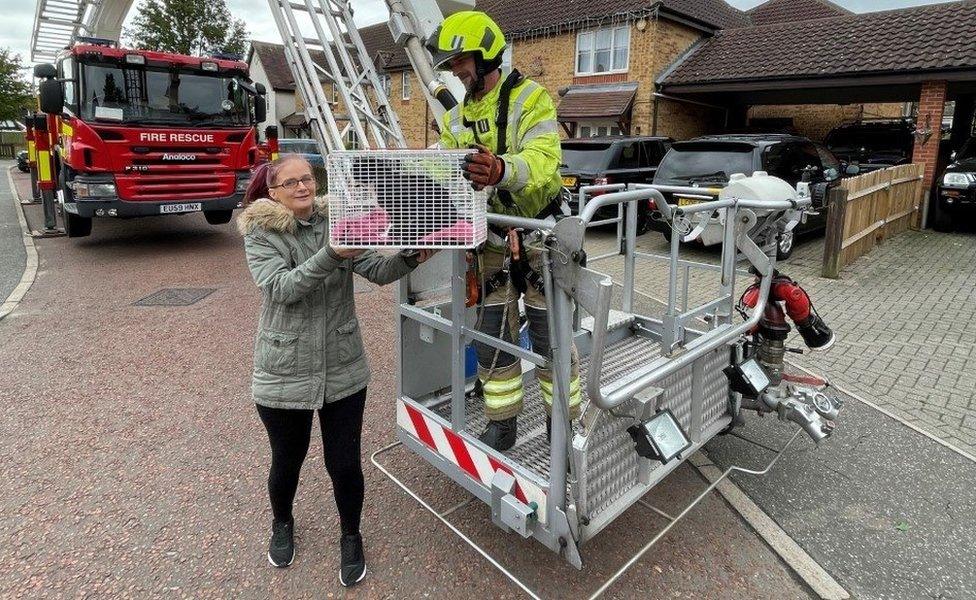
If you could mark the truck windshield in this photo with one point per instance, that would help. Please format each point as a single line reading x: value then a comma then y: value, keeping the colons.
x: 699, y: 163
x: 146, y: 95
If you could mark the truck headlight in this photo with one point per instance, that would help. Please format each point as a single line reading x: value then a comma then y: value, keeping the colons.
x: 93, y: 190
x: 242, y: 184
x: 958, y: 180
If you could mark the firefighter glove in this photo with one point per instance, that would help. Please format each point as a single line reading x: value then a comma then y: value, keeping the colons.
x: 483, y: 168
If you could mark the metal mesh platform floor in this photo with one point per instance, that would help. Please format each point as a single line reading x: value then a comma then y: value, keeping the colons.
x: 531, y: 448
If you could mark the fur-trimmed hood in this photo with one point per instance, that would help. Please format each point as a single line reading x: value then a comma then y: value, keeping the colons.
x: 273, y: 216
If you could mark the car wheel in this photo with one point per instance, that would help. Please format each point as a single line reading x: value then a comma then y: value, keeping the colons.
x: 218, y: 217
x: 784, y: 245
x: 943, y: 220
x: 666, y: 232
x: 643, y: 221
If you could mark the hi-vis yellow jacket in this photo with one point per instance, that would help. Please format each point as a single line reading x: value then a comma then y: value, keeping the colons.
x: 533, y: 154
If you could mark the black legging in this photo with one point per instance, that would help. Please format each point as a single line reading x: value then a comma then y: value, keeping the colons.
x: 289, y: 432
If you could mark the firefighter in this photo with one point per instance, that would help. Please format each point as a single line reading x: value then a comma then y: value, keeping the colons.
x: 511, y: 121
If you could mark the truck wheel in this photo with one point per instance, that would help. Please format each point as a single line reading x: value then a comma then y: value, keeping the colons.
x: 784, y: 245
x: 943, y: 220
x: 75, y: 226
x: 218, y: 217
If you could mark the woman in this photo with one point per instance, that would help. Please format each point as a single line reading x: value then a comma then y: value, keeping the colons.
x: 308, y: 354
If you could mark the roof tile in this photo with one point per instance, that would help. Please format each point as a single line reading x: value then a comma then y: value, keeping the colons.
x: 894, y: 41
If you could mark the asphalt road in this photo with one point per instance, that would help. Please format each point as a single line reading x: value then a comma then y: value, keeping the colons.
x: 13, y: 258
x: 135, y: 465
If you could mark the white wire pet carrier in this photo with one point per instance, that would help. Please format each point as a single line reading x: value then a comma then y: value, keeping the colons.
x: 403, y: 199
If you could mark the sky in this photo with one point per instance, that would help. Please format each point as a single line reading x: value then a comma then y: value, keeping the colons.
x: 19, y: 17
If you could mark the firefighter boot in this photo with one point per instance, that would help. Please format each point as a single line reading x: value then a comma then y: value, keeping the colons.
x: 500, y: 435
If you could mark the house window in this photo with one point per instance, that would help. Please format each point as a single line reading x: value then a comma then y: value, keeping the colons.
x: 406, y: 85
x: 507, y: 57
x: 386, y: 82
x: 603, y: 50
x: 352, y: 142
x: 594, y: 129
x: 335, y: 94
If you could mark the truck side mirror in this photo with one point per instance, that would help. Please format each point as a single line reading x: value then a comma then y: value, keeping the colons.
x: 45, y: 71
x: 51, y: 97
x: 260, y: 109
x: 260, y: 88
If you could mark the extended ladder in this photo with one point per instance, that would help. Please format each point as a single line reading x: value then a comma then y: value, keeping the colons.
x: 369, y: 121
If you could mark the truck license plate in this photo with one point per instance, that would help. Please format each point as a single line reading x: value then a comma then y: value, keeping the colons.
x: 186, y: 207
x: 687, y: 201
x: 569, y: 181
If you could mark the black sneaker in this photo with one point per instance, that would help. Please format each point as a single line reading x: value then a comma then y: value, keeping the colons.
x: 281, y: 549
x: 353, y: 567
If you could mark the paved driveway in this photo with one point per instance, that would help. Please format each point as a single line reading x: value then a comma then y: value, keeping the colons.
x: 905, y: 318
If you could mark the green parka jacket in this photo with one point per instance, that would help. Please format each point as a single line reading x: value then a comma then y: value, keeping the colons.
x: 308, y: 349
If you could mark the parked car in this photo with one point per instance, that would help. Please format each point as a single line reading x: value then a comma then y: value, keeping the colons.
x: 709, y: 161
x: 23, y: 162
x: 309, y: 149
x: 612, y: 159
x: 873, y: 145
x: 957, y: 189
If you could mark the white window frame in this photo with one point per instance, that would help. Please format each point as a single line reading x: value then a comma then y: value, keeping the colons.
x: 592, y: 53
x: 387, y: 83
x: 405, y: 85
x: 335, y: 94
x: 598, y: 129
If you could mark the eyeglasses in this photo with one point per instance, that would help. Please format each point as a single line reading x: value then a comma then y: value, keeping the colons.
x: 290, y: 184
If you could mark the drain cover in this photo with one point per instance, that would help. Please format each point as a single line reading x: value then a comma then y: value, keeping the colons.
x: 176, y: 297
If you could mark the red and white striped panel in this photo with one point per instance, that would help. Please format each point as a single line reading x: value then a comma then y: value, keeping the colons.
x: 476, y: 463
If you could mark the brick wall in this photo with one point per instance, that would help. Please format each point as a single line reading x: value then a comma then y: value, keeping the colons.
x: 930, y: 108
x: 551, y: 62
x: 414, y: 114
x: 816, y: 120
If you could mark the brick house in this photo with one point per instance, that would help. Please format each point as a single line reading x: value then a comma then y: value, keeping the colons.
x: 602, y: 62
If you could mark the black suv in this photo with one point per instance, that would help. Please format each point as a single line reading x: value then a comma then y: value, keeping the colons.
x: 957, y: 188
x: 873, y: 145
x: 709, y: 161
x: 612, y: 159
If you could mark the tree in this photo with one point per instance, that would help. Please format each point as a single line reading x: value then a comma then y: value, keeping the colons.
x: 15, y: 89
x: 195, y: 27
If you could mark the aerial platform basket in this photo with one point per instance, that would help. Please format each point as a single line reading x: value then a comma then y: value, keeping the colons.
x: 655, y: 390
x: 403, y: 199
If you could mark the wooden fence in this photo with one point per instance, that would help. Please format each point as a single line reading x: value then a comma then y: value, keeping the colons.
x: 865, y: 210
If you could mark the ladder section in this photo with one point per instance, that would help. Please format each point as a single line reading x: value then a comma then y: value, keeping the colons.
x: 56, y: 23
x: 369, y: 121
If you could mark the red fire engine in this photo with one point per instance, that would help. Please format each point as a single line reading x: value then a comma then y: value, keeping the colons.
x: 143, y: 133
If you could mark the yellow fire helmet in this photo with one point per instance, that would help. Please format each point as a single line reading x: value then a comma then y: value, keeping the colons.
x: 468, y: 31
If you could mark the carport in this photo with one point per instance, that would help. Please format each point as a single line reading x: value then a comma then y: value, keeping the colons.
x: 923, y: 54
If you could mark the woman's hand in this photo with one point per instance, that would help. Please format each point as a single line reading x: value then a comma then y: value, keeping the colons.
x: 347, y: 252
x: 424, y: 255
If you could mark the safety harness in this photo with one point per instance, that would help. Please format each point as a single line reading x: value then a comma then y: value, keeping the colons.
x: 519, y: 271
